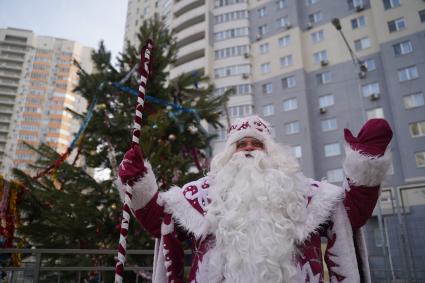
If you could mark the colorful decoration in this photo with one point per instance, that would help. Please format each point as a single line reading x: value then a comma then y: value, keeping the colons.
x: 10, y: 195
x: 155, y: 100
x: 74, y: 142
x: 145, y: 70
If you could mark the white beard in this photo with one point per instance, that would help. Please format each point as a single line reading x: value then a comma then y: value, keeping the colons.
x: 255, y: 205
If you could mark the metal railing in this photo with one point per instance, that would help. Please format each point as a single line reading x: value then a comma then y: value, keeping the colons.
x: 36, y: 266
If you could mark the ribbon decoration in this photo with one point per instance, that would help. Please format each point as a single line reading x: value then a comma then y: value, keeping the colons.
x: 145, y: 69
x: 152, y: 99
x: 68, y: 151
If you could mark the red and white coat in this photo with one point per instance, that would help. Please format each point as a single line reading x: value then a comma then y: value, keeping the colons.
x: 336, y: 213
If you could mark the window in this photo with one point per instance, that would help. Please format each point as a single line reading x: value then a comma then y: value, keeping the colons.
x: 268, y: 110
x: 221, y: 3
x: 324, y: 78
x: 375, y: 113
x: 311, y: 2
x: 290, y: 104
x: 396, y: 25
x: 422, y: 15
x: 332, y: 149
x: 235, y: 15
x: 231, y: 51
x: 417, y: 129
x: 221, y: 134
x: 359, y: 22
x: 231, y: 33
x: 266, y: 68
x: 420, y: 159
x: 232, y: 70
x: 267, y: 88
x: 370, y: 64
x: 355, y: 3
x: 362, y: 43
x: 414, y: 100
x: 288, y: 82
x: 329, y: 124
x: 262, y: 12
x: 335, y: 175
x: 286, y: 61
x: 403, y: 48
x: 320, y: 56
x: 326, y: 100
x: 264, y: 48
x: 262, y: 30
x: 315, y: 17
x: 241, y: 89
x: 369, y: 89
x: 282, y: 4
x: 297, y: 151
x: 317, y: 36
x: 389, y: 4
x: 292, y: 128
x: 284, y: 41
x: 240, y: 111
x: 407, y: 74
x: 283, y: 22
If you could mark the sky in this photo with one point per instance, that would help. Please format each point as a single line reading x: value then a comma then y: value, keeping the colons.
x: 85, y: 21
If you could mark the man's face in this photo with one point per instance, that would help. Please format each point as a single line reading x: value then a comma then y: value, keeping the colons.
x: 249, y: 144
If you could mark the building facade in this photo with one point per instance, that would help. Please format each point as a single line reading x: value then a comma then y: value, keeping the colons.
x: 287, y: 62
x: 36, y: 89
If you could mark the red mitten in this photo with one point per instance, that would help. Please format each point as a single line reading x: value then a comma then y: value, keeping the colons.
x: 132, y: 167
x: 373, y: 138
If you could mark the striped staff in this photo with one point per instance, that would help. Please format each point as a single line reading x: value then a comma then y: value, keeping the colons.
x: 145, y: 69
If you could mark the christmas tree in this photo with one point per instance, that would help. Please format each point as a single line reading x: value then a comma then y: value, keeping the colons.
x: 71, y: 209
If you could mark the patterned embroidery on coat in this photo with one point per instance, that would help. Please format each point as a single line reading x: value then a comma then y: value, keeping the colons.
x: 197, y: 194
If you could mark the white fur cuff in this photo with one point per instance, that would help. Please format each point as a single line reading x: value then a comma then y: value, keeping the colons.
x: 364, y: 170
x: 143, y: 190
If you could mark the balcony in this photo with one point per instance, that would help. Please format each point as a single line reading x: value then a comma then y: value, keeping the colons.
x: 185, y: 6
x: 9, y: 74
x: 4, y: 65
x: 14, y: 49
x: 190, y: 57
x: 189, y: 19
x: 190, y: 48
x: 4, y: 129
x: 12, y: 57
x: 197, y: 64
x: 190, y: 39
x: 7, y: 101
x: 9, y: 83
x: 8, y: 91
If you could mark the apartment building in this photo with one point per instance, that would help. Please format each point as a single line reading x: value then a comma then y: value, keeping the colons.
x: 36, y: 89
x: 287, y: 62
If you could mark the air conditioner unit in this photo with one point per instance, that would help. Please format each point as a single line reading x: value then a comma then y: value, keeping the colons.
x: 246, y: 55
x: 359, y: 7
x: 309, y: 25
x: 322, y: 110
x: 324, y: 62
x: 258, y: 37
x: 245, y: 75
x: 288, y: 25
x: 374, y: 96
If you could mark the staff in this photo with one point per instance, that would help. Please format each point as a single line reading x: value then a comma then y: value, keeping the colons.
x: 145, y: 69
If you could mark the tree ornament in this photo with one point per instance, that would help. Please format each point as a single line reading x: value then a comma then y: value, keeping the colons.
x: 172, y: 137
x: 192, y: 129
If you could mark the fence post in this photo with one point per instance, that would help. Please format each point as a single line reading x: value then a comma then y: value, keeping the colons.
x: 37, y: 267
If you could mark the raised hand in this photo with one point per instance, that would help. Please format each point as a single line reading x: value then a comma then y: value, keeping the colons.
x: 132, y: 166
x: 373, y: 138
